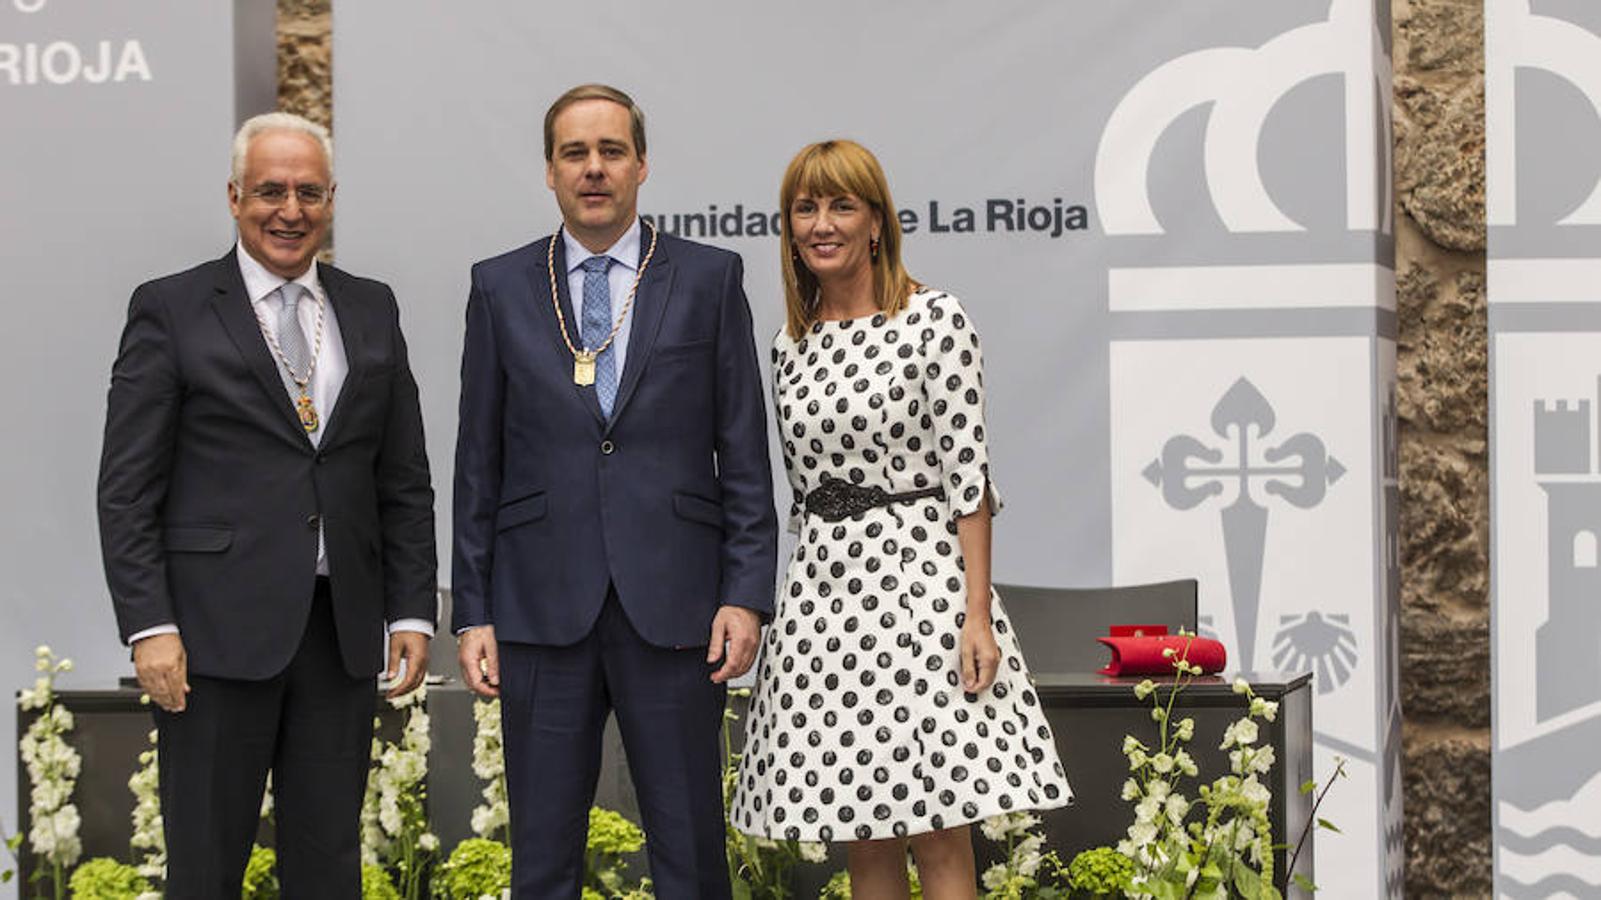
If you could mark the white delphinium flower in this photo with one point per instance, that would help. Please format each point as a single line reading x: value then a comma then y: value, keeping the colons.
x: 374, y: 842
x: 1262, y: 760
x: 1267, y: 709
x: 53, y: 766
x: 994, y: 877
x: 1186, y: 729
x: 813, y: 851
x: 489, y: 764
x: 1254, y: 791
x: 1245, y: 731
x: 394, y: 820
x: 1027, y: 855
x: 1007, y: 825
x: 1131, y: 789
x: 1177, y: 809
x: 1185, y: 763
x: 145, y: 784
x: 1141, y: 833
x: 266, y: 798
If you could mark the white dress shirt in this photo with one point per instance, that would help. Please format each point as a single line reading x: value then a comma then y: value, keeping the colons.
x: 620, y: 277
x: 328, y: 375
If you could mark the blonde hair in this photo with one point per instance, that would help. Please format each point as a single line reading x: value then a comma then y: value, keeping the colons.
x: 828, y: 168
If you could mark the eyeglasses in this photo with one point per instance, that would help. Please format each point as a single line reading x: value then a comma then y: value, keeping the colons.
x: 273, y: 194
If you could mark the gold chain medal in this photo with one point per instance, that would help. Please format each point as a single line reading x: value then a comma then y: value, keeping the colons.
x: 584, y: 360
x: 308, y: 412
x: 584, y: 368
x: 305, y: 410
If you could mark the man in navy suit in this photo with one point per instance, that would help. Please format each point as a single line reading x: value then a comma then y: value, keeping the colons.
x: 615, y: 539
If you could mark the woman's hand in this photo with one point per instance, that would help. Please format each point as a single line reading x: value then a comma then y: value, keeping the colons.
x: 981, y: 656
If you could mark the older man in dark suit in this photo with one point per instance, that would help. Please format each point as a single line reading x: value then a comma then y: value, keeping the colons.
x: 265, y: 515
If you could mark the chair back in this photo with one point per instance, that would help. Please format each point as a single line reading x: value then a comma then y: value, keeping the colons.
x: 1057, y: 627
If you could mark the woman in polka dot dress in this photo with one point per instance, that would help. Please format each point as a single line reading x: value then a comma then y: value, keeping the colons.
x: 892, y: 703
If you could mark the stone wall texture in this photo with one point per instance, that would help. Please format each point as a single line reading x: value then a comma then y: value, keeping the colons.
x: 1442, y: 399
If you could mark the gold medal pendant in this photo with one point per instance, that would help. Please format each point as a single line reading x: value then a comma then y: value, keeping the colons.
x: 584, y: 368
x: 308, y: 413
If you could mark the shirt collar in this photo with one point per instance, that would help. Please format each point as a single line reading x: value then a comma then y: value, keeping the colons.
x: 625, y: 252
x: 260, y: 283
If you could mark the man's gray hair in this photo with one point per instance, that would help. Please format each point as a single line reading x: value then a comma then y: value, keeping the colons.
x: 277, y: 121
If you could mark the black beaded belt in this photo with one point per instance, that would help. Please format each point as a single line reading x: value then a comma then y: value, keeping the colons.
x: 833, y: 499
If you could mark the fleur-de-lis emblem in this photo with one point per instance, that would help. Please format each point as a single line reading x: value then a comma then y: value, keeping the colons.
x: 1297, y: 471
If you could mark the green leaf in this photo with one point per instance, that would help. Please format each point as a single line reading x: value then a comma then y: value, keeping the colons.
x: 1325, y: 823
x: 741, y: 889
x: 1308, y: 786
x: 1247, y: 882
x: 6, y: 876
x: 1304, y: 883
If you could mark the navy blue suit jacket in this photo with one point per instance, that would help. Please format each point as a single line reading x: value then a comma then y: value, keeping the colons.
x: 670, y: 500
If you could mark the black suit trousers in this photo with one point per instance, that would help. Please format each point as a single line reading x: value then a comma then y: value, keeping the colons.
x: 311, y: 726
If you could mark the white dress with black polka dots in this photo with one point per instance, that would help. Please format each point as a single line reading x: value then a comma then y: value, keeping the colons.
x: 858, y: 728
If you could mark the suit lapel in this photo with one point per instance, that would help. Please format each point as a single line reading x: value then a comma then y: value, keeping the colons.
x: 353, y: 333
x: 650, y: 304
x: 238, y: 316
x: 539, y: 282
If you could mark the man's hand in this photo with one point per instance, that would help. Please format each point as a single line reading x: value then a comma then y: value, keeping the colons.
x: 741, y: 629
x: 411, y: 646
x: 479, y: 657
x: 163, y: 670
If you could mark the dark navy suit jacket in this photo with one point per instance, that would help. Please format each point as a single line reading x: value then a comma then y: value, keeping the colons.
x: 670, y: 500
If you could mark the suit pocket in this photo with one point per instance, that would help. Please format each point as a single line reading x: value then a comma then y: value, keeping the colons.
x: 520, y: 511
x: 689, y: 350
x: 196, y: 538
x: 698, y: 509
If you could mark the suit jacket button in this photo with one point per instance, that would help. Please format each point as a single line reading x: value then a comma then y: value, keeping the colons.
x: 606, y: 448
x: 314, y: 521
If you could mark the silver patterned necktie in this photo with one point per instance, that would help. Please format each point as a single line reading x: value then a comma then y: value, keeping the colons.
x: 291, y: 337
x: 596, y: 327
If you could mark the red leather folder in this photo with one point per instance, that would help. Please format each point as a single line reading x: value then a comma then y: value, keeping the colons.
x: 1138, y: 650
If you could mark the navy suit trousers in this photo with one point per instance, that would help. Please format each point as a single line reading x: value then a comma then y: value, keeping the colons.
x: 554, y: 703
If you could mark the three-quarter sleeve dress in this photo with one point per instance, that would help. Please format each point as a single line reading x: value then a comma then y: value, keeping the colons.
x: 859, y: 728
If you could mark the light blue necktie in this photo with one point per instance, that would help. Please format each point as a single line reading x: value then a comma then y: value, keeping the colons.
x: 597, y: 324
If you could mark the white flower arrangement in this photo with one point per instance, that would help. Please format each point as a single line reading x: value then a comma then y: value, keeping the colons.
x: 148, y: 843
x: 1029, y: 868
x: 1225, y: 851
x: 53, y: 767
x: 493, y: 816
x: 394, y: 819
